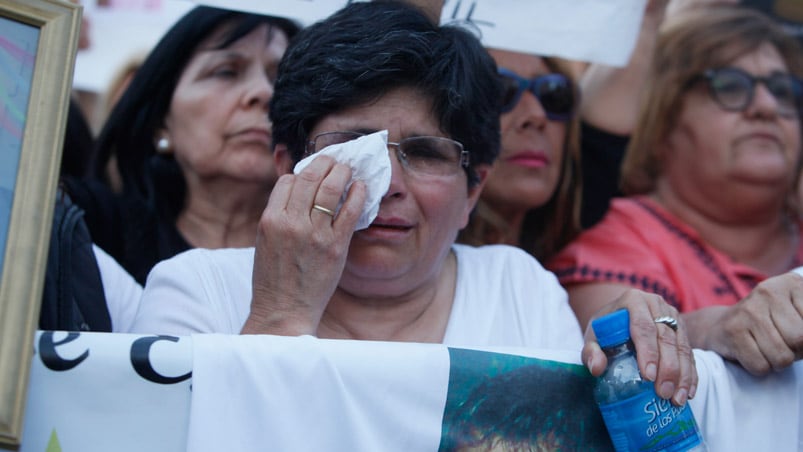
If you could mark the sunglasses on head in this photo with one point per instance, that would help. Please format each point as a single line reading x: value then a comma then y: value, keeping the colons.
x: 733, y: 89
x: 554, y: 92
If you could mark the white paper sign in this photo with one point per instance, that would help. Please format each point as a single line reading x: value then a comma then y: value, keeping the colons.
x: 602, y: 31
x: 117, y: 35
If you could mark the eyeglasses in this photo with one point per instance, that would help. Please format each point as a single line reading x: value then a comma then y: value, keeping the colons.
x: 553, y: 91
x: 733, y: 89
x: 424, y: 155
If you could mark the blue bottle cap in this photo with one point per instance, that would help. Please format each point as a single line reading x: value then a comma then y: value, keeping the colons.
x: 613, y: 328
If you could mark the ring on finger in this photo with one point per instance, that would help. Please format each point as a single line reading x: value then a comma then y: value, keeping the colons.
x: 669, y: 321
x: 323, y: 209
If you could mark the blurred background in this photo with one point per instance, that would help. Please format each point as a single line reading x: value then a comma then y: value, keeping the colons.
x: 117, y: 34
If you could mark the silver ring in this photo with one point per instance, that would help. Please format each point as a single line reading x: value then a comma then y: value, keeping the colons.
x: 331, y: 213
x: 671, y: 322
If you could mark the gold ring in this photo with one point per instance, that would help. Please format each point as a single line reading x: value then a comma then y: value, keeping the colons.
x: 671, y: 322
x: 324, y: 210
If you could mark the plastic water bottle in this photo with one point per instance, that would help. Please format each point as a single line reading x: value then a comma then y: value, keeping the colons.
x: 637, y: 418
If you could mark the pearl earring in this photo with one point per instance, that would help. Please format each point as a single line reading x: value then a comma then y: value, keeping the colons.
x: 163, y: 145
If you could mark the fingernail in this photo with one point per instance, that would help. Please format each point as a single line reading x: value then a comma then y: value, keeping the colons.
x: 680, y: 397
x: 692, y: 391
x: 667, y: 389
x: 590, y: 363
x: 652, y: 372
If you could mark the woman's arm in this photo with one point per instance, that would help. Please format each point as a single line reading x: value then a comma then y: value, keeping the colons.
x: 610, y: 100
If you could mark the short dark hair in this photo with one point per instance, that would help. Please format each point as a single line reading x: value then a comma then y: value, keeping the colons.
x: 533, y: 407
x: 369, y: 48
x: 131, y: 127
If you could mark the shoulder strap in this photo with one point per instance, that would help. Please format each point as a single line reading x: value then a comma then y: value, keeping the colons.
x: 73, y: 297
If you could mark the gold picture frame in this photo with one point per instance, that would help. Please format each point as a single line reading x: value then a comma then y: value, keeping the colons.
x: 38, y: 42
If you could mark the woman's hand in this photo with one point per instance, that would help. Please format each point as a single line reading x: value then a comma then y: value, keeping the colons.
x: 664, y: 355
x: 301, y: 250
x: 763, y: 332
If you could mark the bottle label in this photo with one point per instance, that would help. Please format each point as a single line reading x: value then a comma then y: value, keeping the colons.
x: 646, y: 422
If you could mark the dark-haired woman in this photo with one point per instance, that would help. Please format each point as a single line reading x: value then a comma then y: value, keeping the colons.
x: 192, y: 138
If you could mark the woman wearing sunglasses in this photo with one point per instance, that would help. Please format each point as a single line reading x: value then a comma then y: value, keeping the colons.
x: 531, y: 197
x: 710, y: 175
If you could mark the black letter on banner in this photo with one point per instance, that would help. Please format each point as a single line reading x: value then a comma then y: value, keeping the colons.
x: 51, y: 359
x: 140, y: 351
x: 469, y: 16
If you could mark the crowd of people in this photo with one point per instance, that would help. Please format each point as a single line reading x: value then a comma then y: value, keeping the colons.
x: 527, y: 197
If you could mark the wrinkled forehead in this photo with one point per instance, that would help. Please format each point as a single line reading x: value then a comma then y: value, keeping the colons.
x: 232, y: 33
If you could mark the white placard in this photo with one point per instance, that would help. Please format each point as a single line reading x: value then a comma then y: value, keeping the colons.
x: 119, y: 34
x: 602, y: 31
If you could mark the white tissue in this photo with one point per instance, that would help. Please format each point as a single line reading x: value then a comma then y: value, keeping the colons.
x: 369, y: 161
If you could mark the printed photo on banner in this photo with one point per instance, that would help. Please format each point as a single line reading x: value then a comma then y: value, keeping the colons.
x: 509, y: 402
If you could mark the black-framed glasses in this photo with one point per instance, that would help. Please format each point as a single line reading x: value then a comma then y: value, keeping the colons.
x: 554, y: 91
x: 421, y: 155
x: 733, y: 89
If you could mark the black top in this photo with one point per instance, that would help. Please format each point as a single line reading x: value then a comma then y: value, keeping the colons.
x: 126, y: 227
x: 602, y: 154
x: 73, y: 298
x: 78, y: 143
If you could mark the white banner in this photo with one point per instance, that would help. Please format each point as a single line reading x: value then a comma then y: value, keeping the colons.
x: 107, y: 392
x: 601, y: 31
x: 116, y: 392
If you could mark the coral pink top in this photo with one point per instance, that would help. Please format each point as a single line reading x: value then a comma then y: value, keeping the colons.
x: 641, y: 244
